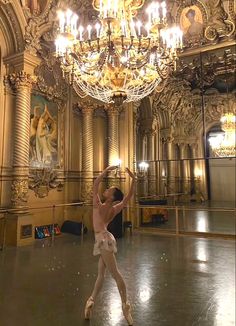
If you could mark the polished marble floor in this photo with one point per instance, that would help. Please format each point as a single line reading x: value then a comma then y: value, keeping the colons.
x: 171, y: 282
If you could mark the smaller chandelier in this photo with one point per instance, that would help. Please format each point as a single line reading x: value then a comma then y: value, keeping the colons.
x: 119, y: 59
x: 223, y: 145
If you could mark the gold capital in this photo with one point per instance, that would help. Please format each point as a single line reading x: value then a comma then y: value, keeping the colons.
x: 20, y: 79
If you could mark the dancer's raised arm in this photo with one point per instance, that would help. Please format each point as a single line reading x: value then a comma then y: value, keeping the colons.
x: 97, y: 182
x: 123, y: 203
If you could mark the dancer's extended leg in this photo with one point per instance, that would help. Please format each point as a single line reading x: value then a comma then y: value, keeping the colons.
x: 111, y: 264
x: 96, y: 290
x: 100, y: 278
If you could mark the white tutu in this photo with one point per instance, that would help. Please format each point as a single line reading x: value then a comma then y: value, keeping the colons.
x: 104, y: 241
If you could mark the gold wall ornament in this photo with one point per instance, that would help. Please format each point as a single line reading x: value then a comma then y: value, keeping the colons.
x: 19, y: 195
x: 41, y: 181
x: 219, y: 24
x: 87, y: 190
x: 48, y: 74
x: 32, y: 36
x: 35, y: 7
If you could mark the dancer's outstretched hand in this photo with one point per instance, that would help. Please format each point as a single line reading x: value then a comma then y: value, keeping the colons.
x: 130, y: 173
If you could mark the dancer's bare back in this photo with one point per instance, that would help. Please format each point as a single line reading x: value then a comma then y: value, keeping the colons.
x: 103, y: 213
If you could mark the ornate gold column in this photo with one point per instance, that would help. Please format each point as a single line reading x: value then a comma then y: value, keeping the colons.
x: 113, y: 141
x: 19, y: 223
x: 113, y: 134
x: 22, y: 84
x: 185, y: 168
x: 150, y: 156
x: 194, y: 167
x: 170, y: 165
x: 87, y: 152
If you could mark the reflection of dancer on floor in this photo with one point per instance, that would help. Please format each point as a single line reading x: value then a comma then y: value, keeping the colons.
x: 105, y: 243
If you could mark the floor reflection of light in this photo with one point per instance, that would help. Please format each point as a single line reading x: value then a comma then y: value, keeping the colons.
x: 225, y: 314
x: 115, y: 309
x: 202, y: 256
x: 202, y: 221
x: 145, y: 294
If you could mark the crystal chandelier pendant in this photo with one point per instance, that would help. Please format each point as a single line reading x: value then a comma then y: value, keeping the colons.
x: 120, y: 59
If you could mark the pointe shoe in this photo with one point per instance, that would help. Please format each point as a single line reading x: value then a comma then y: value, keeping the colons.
x: 88, y: 308
x: 126, y: 308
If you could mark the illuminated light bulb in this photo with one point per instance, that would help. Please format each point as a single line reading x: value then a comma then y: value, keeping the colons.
x: 123, y: 59
x: 139, y: 25
x: 117, y: 162
x: 98, y: 26
x: 123, y: 27
x: 163, y: 5
x: 89, y: 28
x: 132, y: 28
x: 143, y: 166
x: 81, y: 29
x: 73, y: 28
x: 148, y: 27
x: 68, y: 17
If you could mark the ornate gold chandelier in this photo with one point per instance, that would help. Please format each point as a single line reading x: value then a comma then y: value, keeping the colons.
x: 120, y: 59
x: 224, y: 145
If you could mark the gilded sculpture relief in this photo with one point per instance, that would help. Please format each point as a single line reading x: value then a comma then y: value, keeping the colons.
x: 35, y: 7
x: 219, y: 24
x: 19, y: 190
